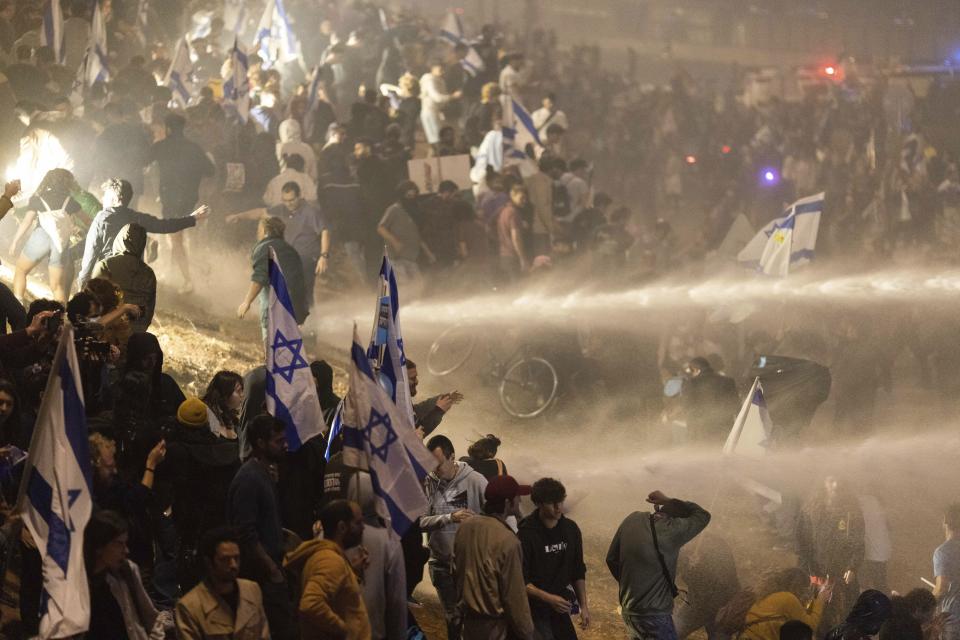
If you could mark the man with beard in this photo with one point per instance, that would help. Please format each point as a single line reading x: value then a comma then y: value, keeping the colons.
x: 331, y: 602
x: 252, y: 508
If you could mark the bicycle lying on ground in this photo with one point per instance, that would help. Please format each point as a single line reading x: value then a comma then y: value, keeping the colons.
x: 527, y: 382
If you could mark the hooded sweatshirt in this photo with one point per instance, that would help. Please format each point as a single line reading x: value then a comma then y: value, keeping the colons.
x: 464, y: 491
x: 291, y: 143
x: 126, y: 269
x: 331, y: 604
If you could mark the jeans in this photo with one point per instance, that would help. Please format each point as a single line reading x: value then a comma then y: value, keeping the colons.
x: 655, y: 626
x: 441, y: 574
x: 551, y: 625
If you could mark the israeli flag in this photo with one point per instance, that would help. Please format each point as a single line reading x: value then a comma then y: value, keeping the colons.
x: 786, y: 242
x: 96, y: 61
x: 275, y: 40
x: 51, y: 35
x: 291, y: 391
x: 750, y: 435
x: 56, y: 496
x: 180, y: 74
x: 386, y: 352
x: 201, y: 24
x: 236, y: 87
x: 452, y: 31
x: 378, y: 437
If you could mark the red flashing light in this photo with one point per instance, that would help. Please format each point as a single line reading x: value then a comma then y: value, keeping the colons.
x: 726, y: 149
x: 691, y: 159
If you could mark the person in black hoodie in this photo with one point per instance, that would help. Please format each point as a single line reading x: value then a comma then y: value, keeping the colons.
x: 553, y: 566
x: 195, y: 476
x: 144, y: 354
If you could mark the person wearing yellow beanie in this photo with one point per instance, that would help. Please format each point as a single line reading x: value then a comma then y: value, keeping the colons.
x: 192, y: 413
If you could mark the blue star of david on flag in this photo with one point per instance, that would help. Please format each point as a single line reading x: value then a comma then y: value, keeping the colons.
x: 297, y: 361
x: 386, y: 436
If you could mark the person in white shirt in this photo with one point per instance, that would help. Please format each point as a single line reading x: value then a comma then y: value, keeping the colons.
x: 547, y: 115
x: 433, y: 95
x: 292, y: 172
x: 511, y: 78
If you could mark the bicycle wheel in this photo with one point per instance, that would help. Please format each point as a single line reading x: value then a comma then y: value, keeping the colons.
x: 451, y: 349
x: 528, y: 387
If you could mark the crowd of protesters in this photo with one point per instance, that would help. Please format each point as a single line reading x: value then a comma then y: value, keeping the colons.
x: 206, y: 526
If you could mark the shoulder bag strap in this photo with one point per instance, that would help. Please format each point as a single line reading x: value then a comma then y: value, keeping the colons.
x: 663, y: 563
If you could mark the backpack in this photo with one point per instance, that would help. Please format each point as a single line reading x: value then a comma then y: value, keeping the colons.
x: 57, y: 223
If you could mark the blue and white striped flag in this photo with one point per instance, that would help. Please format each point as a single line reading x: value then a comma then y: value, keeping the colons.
x: 180, y: 74
x: 378, y: 437
x: 386, y: 351
x: 519, y: 132
x: 291, y: 390
x: 750, y: 435
x: 275, y: 41
x: 52, y: 33
x: 452, y: 31
x: 236, y: 87
x: 789, y: 241
x: 56, y: 496
x: 95, y: 60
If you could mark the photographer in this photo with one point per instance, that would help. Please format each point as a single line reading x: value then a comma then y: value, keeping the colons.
x: 92, y: 352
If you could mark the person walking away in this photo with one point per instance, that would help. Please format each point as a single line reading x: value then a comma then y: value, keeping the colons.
x: 270, y: 236
x: 482, y: 457
x: 553, y: 567
x: 331, y: 601
x: 252, y: 508
x: 643, y: 559
x: 710, y: 402
x: 182, y: 164
x: 454, y: 495
x: 126, y: 269
x: 489, y: 568
x: 223, y: 604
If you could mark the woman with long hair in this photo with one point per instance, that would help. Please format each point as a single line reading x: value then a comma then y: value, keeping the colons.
x: 784, y: 596
x: 54, y: 216
x: 223, y: 397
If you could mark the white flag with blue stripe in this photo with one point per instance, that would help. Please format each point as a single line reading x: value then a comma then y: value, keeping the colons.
x: 378, y: 437
x: 236, y: 87
x: 452, y: 31
x: 275, y: 40
x: 750, y: 435
x: 291, y: 392
x: 386, y: 351
x: 51, y: 35
x: 787, y: 242
x: 180, y: 74
x: 96, y: 61
x: 56, y: 496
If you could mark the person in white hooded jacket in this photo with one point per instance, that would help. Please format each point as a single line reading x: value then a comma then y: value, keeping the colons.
x: 454, y: 493
x: 291, y: 142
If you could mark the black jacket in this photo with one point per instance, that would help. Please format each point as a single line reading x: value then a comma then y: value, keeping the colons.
x: 552, y: 558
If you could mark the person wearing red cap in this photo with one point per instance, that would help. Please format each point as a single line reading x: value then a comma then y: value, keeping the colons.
x: 489, y: 568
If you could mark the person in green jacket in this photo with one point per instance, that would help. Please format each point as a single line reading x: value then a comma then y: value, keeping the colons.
x: 270, y: 236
